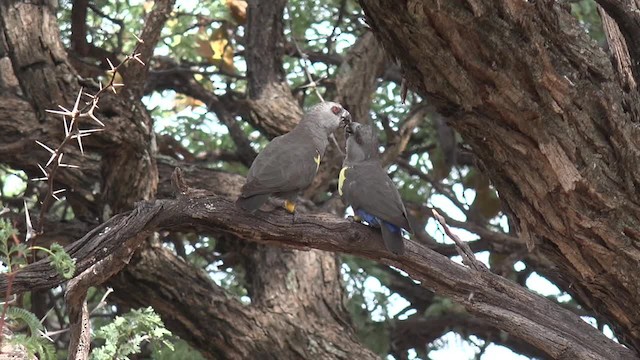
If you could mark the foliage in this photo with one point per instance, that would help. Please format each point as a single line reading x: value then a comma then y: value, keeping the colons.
x: 34, y: 343
x: 125, y: 335
x: 62, y: 262
x: 14, y: 255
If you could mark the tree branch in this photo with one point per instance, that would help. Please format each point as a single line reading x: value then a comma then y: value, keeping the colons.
x: 625, y: 13
x: 512, y: 308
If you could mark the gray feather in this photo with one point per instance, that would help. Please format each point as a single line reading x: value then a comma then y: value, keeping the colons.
x: 251, y: 203
x: 392, y: 241
x: 289, y: 162
x: 366, y: 185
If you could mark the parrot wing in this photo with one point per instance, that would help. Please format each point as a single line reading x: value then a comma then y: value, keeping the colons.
x: 288, y: 163
x: 367, y: 186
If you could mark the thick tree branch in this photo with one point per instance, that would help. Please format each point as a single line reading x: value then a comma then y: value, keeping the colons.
x: 271, y: 100
x: 502, y: 303
x: 219, y: 325
x: 153, y: 25
x: 619, y: 51
x: 626, y: 15
x: 418, y: 332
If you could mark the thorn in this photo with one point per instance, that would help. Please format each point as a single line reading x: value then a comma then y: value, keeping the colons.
x: 79, y: 138
x: 137, y: 38
x: 136, y: 57
x: 93, y: 117
x: 42, y: 169
x: 65, y: 109
x: 66, y: 128
x: 46, y: 176
x: 63, y: 113
x: 51, y: 151
x: 61, y: 164
x: 45, y: 147
x: 45, y: 335
x: 87, y: 132
x: 89, y: 95
x: 30, y: 232
x: 111, y: 66
x: 55, y: 194
x: 77, y: 104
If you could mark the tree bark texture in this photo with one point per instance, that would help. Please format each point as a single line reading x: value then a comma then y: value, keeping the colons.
x: 537, y: 100
x: 540, y: 104
x: 538, y: 321
x: 297, y: 309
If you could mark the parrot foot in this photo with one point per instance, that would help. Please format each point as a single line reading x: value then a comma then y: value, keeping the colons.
x: 355, y: 218
x: 291, y: 208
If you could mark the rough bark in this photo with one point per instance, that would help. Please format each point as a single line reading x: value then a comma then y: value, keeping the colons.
x: 539, y: 103
x: 271, y: 99
x: 536, y: 320
x: 224, y: 328
x: 498, y: 96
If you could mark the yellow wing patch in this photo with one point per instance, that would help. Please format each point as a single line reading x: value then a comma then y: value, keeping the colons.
x: 342, y: 178
x: 317, y: 160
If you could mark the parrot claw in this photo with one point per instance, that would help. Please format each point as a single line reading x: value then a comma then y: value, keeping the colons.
x: 290, y: 207
x: 355, y: 219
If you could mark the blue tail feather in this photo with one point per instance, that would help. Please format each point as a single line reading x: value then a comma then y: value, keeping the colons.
x: 375, y: 222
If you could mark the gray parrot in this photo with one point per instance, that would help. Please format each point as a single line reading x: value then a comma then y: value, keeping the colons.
x: 365, y: 186
x: 289, y: 162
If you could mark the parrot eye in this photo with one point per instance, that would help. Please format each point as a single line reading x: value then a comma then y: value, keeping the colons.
x: 335, y: 110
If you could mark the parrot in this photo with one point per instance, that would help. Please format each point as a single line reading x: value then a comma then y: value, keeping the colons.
x: 289, y: 162
x: 365, y: 186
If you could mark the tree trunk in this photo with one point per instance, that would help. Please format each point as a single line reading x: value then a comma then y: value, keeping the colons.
x: 539, y: 103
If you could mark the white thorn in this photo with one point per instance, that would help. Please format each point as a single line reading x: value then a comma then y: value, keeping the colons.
x: 30, y: 232
x: 45, y: 147
x: 42, y: 169
x: 111, y: 65
x: 63, y: 113
x: 79, y: 137
x: 136, y: 57
x: 77, y: 104
x: 137, y: 38
x: 55, y: 194
x: 66, y: 128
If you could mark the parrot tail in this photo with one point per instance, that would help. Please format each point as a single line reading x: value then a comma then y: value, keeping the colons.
x: 392, y: 236
x: 251, y: 203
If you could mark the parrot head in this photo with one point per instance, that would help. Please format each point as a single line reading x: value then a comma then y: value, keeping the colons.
x: 362, y: 143
x: 327, y: 116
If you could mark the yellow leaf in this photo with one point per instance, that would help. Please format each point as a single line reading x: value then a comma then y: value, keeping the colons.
x: 148, y: 5
x: 182, y: 102
x: 238, y: 9
x: 217, y: 48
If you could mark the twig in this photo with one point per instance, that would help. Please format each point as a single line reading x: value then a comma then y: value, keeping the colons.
x: 341, y: 10
x: 71, y: 122
x: 313, y: 85
x: 468, y: 257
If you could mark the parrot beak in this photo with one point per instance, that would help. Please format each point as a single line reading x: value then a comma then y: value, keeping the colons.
x: 345, y: 118
x: 348, y: 129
